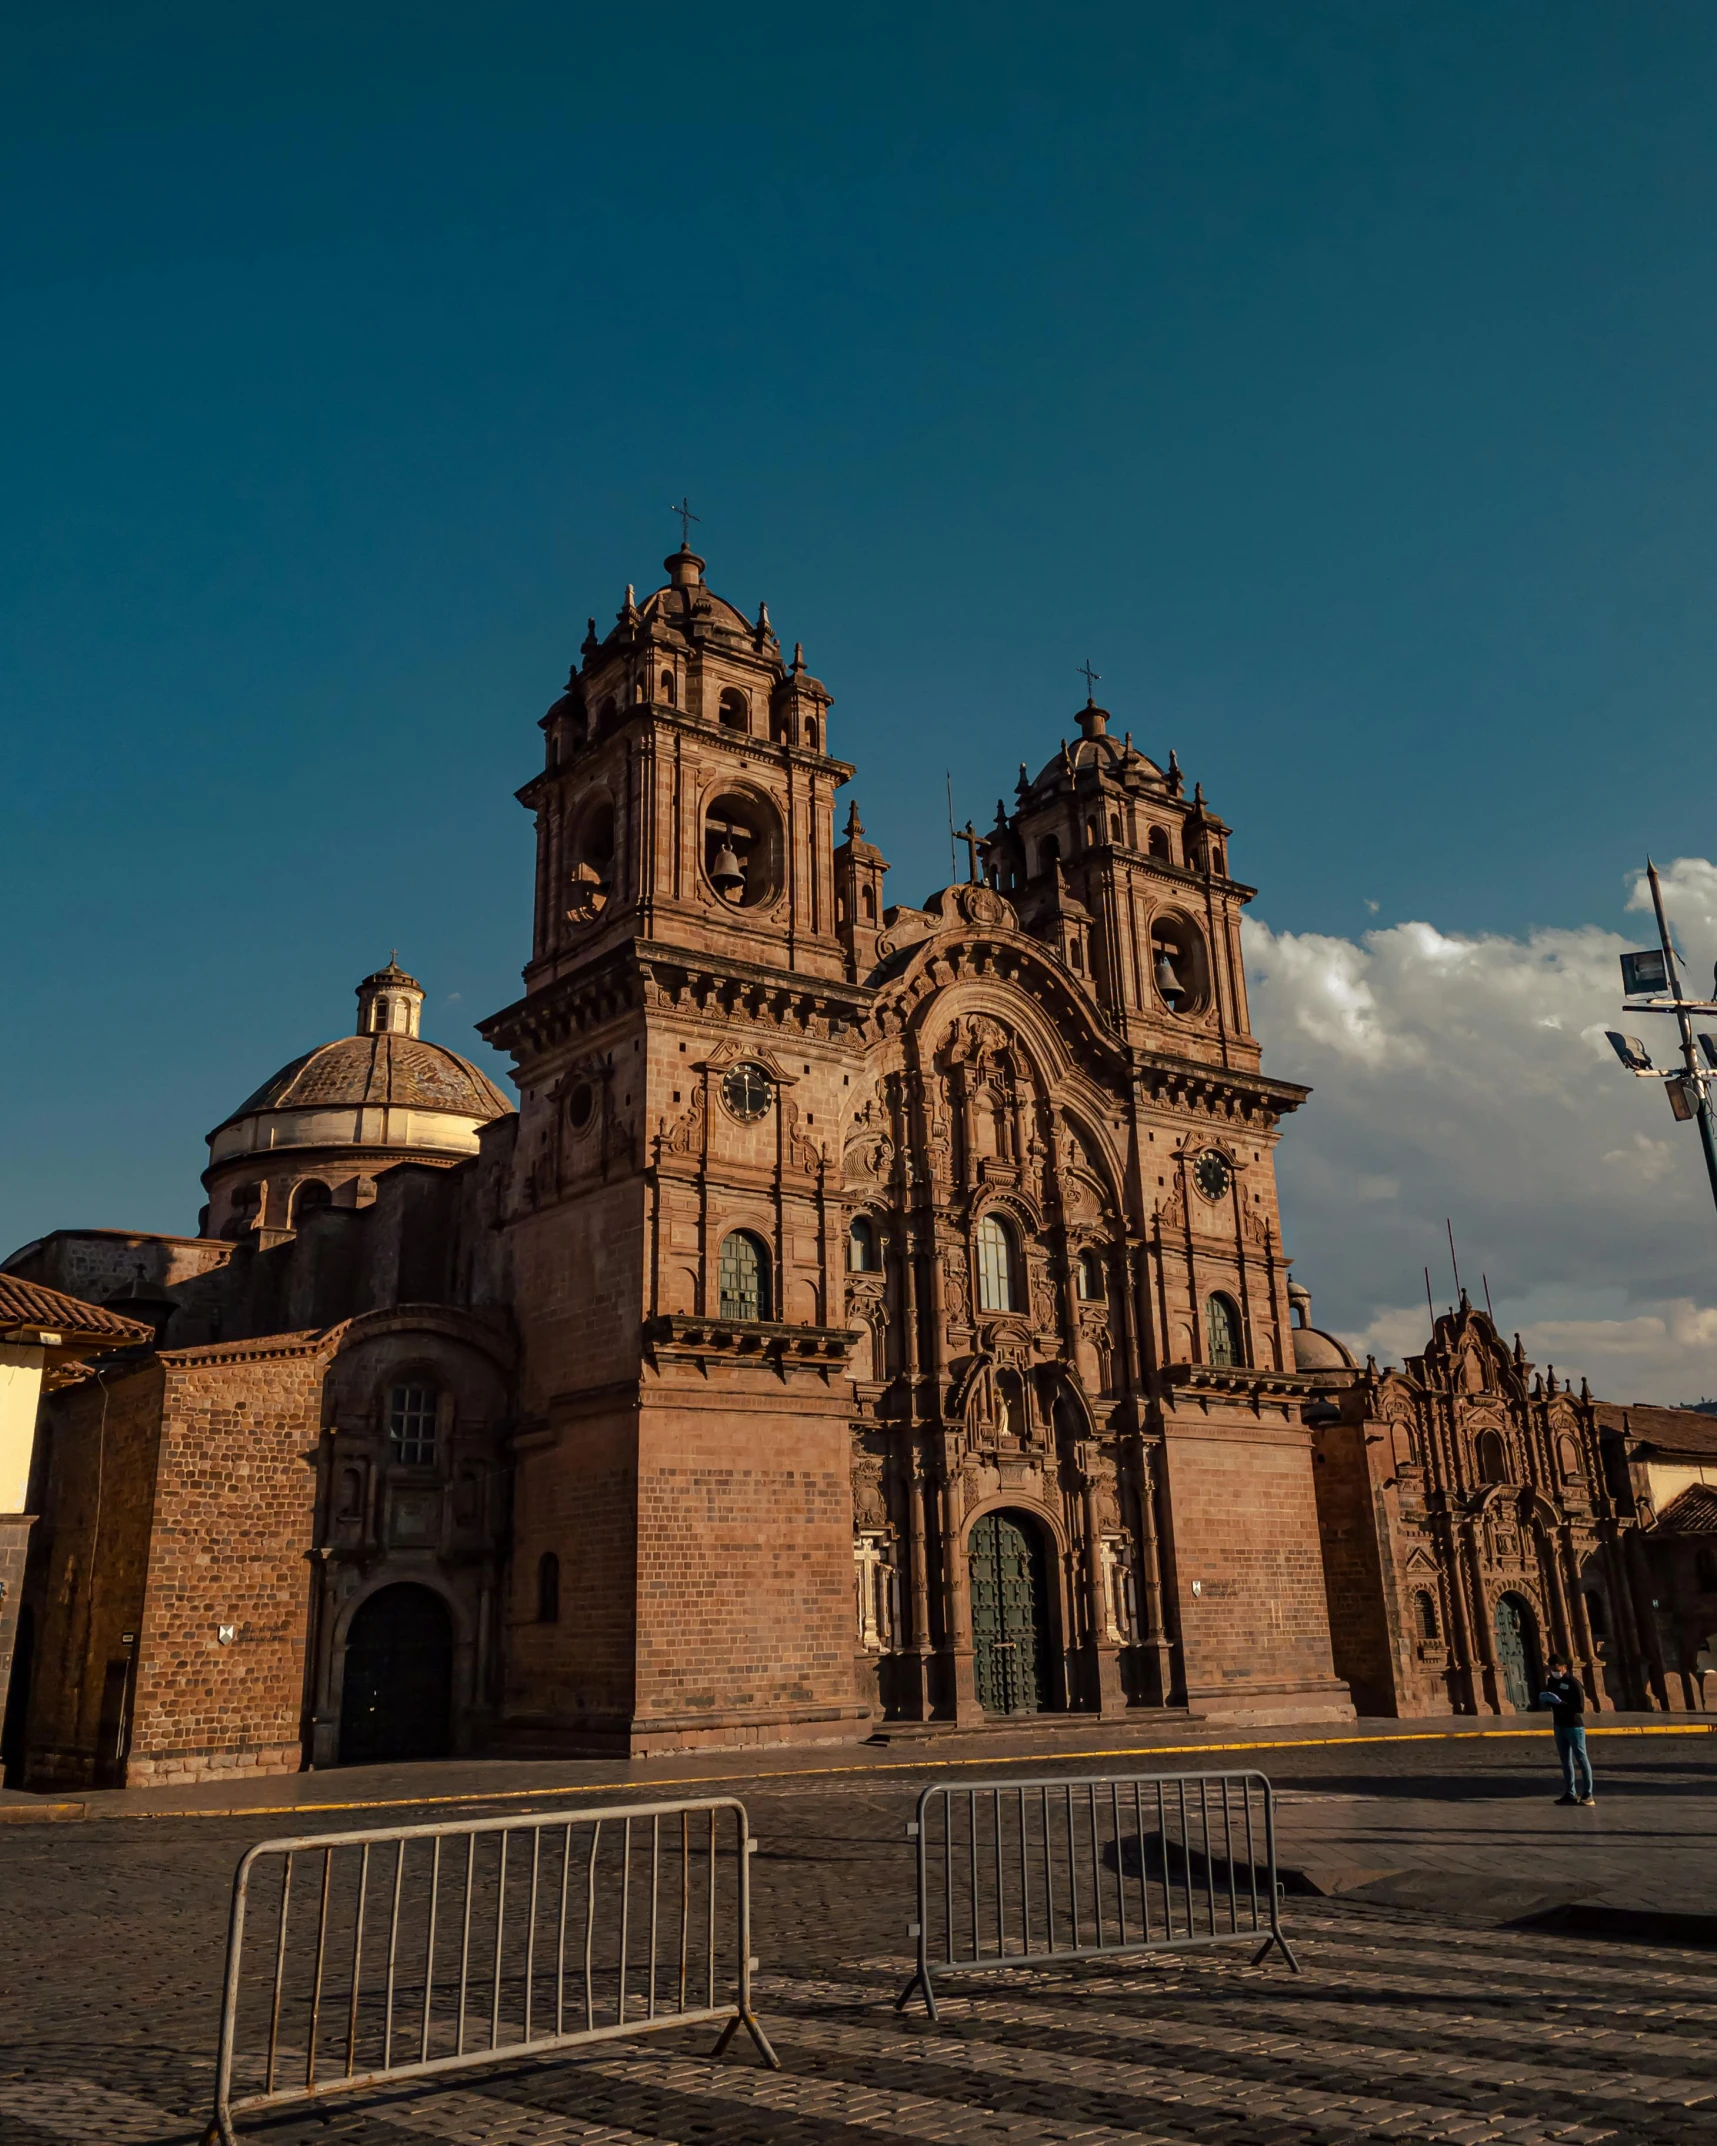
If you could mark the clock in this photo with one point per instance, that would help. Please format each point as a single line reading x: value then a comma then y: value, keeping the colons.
x: 746, y: 1092
x: 1212, y: 1174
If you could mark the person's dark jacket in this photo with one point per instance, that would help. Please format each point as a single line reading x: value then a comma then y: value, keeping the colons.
x: 1568, y: 1699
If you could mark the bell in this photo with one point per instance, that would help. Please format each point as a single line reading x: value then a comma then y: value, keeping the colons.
x: 1168, y: 983
x: 725, y: 872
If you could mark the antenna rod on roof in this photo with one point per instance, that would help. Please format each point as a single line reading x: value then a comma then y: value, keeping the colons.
x: 1429, y: 1306
x: 1485, y: 1278
x: 953, y: 868
x: 1453, y: 1261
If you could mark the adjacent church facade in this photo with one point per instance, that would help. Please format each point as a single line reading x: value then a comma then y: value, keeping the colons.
x: 868, y: 1314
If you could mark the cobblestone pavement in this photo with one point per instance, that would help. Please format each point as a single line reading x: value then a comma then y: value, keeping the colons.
x: 1450, y: 2025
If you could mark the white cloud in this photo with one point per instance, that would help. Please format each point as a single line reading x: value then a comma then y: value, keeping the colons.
x: 1469, y: 1077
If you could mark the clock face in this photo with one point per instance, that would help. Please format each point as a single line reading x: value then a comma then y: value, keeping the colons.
x: 746, y: 1092
x: 1212, y: 1174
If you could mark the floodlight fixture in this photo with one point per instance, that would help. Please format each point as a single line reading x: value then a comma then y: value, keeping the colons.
x: 1646, y: 974
x: 1651, y: 980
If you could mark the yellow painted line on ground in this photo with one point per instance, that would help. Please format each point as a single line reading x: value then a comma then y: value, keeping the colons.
x: 916, y: 1766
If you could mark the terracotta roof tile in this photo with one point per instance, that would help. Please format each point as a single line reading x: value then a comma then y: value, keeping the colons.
x: 29, y: 1304
x: 1693, y: 1513
x: 1672, y: 1430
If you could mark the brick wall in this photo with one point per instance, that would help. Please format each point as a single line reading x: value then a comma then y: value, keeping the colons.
x: 744, y: 1567
x: 87, y: 1565
x: 235, y: 1498
x: 1353, y: 1573
x: 1255, y: 1636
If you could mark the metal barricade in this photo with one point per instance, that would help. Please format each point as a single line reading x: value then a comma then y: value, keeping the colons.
x: 1027, y: 1873
x: 410, y: 1951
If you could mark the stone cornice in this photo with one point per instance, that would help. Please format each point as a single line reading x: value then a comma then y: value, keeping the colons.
x: 680, y: 1337
x: 648, y: 972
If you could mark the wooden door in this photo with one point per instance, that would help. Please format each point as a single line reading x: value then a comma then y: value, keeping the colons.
x: 1009, y: 1614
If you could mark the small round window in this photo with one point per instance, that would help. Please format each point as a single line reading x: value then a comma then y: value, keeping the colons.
x: 746, y: 1092
x: 581, y: 1106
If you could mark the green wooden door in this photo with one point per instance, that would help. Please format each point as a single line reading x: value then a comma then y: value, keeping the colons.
x: 1009, y: 1618
x: 1516, y: 1651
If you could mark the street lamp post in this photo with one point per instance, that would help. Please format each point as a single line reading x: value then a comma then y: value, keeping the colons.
x: 1651, y: 983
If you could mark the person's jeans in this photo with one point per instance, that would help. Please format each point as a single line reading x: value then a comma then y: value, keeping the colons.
x: 1576, y: 1766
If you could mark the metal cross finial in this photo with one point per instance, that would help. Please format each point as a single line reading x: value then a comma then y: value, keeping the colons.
x: 1090, y: 677
x: 687, y: 517
x: 969, y: 835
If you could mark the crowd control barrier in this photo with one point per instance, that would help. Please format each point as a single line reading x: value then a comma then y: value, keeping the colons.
x: 1029, y: 1873
x: 365, y: 1959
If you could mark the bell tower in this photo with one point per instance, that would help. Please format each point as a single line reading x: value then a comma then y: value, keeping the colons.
x: 687, y: 795
x: 684, y: 1053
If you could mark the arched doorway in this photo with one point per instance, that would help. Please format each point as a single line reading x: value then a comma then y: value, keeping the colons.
x: 397, y: 1698
x: 1010, y: 1614
x: 1517, y: 1651
x: 12, y: 1734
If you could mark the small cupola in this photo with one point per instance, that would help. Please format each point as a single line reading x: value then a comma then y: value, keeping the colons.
x: 390, y: 1003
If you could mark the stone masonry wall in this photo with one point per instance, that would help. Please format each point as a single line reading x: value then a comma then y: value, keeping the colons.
x: 744, y: 1568
x: 87, y: 1567
x: 1353, y: 1577
x: 1256, y: 1635
x: 236, y: 1502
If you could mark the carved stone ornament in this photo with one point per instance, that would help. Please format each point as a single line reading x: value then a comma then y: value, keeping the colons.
x: 870, y: 1508
x: 685, y: 1135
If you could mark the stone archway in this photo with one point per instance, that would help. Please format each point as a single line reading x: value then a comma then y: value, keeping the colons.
x: 396, y: 1696
x: 1517, y: 1652
x: 1010, y: 1613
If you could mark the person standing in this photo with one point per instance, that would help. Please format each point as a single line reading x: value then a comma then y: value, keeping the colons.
x: 1565, y: 1695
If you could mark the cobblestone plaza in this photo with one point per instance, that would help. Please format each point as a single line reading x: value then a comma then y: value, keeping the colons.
x: 1447, y: 1995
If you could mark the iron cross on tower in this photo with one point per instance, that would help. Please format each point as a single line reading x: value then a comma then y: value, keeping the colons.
x: 1090, y: 677
x: 687, y: 517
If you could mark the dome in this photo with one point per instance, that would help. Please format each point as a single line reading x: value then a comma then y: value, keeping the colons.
x: 319, y: 1131
x: 687, y: 596
x: 1314, y: 1350
x: 1096, y: 749
x: 377, y: 1070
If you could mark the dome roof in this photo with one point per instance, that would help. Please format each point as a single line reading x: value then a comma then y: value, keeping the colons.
x: 383, y: 1069
x: 1314, y: 1350
x: 1098, y: 750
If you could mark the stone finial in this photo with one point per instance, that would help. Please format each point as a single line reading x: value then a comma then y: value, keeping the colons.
x: 798, y: 658
x: 855, y: 829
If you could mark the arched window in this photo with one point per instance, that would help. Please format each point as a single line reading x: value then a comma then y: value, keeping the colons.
x: 732, y: 710
x: 548, y: 1588
x: 1093, y: 833
x: 310, y: 1196
x: 1216, y: 858
x: 411, y: 1425
x: 995, y: 1265
x: 1492, y: 1458
x: 1158, y: 845
x: 862, y: 1254
x: 743, y: 1277
x: 811, y: 732
x: 247, y: 1205
x: 1222, y: 1332
x: 1090, y: 1277
x: 668, y: 687
x: 1427, y: 1609
x: 867, y: 902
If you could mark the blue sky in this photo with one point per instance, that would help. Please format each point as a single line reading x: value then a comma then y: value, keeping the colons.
x: 1336, y: 377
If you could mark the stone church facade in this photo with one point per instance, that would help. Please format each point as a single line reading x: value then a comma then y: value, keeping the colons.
x: 868, y: 1314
